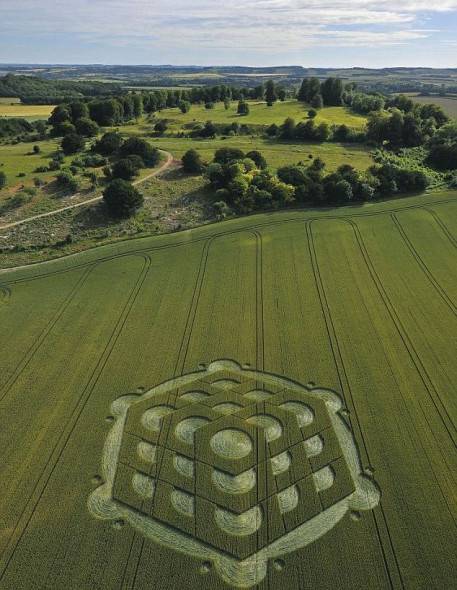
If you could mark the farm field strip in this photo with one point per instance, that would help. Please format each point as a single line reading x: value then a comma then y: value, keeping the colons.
x: 365, y: 328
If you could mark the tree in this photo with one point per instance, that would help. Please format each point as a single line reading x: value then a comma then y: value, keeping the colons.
x: 258, y: 159
x: 282, y: 94
x: 36, y: 149
x: 317, y: 102
x: 310, y: 88
x: 192, y: 162
x: 122, y: 198
x: 108, y: 144
x: 160, y: 127
x: 87, y: 127
x: 140, y: 147
x: 287, y: 129
x: 126, y: 168
x: 243, y: 108
x: 72, y: 143
x: 67, y: 181
x: 312, y: 113
x: 209, y: 106
x: 3, y: 179
x: 184, y: 106
x: 62, y: 129
x: 60, y: 114
x: 227, y: 104
x: 225, y: 155
x: 332, y: 92
x: 78, y: 110
x: 270, y: 93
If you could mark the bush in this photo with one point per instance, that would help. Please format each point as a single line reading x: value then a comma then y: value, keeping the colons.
x: 3, y: 180
x: 160, y: 127
x: 258, y: 159
x: 122, y: 199
x: 86, y: 127
x: 67, y: 181
x: 63, y: 129
x: 108, y: 144
x: 126, y: 168
x: 139, y: 147
x: 243, y: 108
x: 224, y: 155
x: 72, y: 143
x: 209, y: 105
x: 192, y: 162
x: 312, y: 113
x: 36, y: 149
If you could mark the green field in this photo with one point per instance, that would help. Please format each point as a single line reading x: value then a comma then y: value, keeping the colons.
x: 19, y: 158
x: 25, y: 111
x: 277, y: 153
x: 261, y: 114
x: 356, y: 304
x: 447, y: 103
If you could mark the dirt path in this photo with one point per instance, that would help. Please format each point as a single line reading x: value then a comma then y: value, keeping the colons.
x: 168, y: 162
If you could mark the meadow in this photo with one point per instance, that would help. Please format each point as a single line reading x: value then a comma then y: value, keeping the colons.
x: 10, y: 108
x: 447, y: 103
x: 261, y: 114
x: 358, y: 304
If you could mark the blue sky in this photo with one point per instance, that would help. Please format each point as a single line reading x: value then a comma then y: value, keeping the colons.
x: 328, y: 33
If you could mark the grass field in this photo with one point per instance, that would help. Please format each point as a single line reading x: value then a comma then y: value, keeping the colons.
x: 448, y: 103
x: 25, y: 111
x: 19, y: 158
x: 277, y: 153
x: 358, y: 304
x: 261, y: 114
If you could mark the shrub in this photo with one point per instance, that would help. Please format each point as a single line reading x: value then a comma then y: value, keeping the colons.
x: 160, y: 127
x: 3, y: 179
x: 67, y: 181
x: 224, y: 155
x: 192, y: 162
x: 126, y: 168
x: 36, y: 149
x: 312, y: 113
x: 86, y: 127
x: 139, y: 147
x: 121, y: 198
x: 257, y: 158
x: 72, y: 143
x: 108, y: 144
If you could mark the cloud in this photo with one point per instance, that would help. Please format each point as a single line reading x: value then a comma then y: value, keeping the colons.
x: 260, y: 26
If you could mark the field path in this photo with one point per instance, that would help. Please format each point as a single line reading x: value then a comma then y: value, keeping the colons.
x: 168, y: 162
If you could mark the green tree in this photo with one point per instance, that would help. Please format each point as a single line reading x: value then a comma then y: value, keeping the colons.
x: 86, y: 127
x: 258, y: 159
x: 243, y: 108
x: 3, y: 179
x: 108, y: 144
x: 270, y: 93
x: 184, y: 106
x: 126, y: 168
x: 192, y: 162
x: 317, y: 102
x: 332, y: 92
x: 72, y: 143
x: 122, y: 198
x: 140, y: 147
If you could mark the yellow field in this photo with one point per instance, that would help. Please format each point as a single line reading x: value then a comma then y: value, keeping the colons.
x: 26, y: 111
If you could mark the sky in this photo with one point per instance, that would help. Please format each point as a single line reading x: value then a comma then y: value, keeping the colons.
x: 329, y: 33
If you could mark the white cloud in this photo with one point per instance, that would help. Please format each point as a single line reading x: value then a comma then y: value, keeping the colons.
x: 260, y: 25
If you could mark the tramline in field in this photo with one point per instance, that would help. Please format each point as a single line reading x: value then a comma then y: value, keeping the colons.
x: 268, y: 402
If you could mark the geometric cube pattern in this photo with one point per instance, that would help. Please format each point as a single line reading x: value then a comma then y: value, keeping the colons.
x: 231, y: 461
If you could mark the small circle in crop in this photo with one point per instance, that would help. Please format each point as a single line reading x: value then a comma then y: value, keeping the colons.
x: 279, y: 564
x: 206, y: 567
